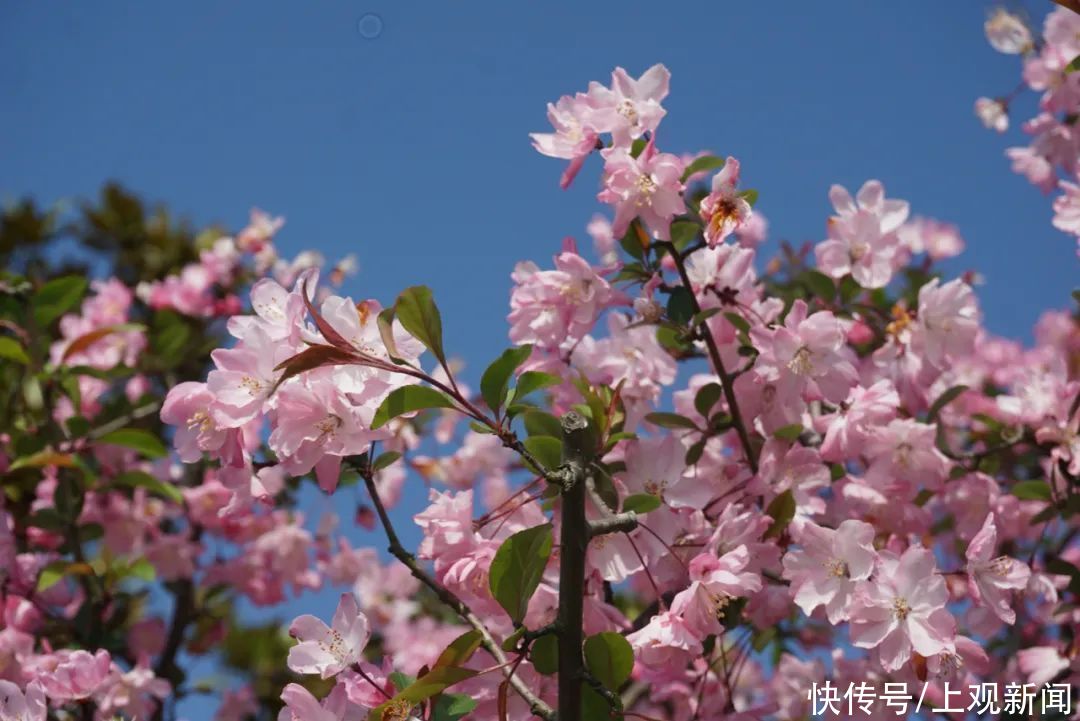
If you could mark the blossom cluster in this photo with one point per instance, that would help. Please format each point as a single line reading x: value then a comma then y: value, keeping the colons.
x: 731, y: 477
x: 1051, y: 160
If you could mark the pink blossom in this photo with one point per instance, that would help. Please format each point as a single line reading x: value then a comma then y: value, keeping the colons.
x: 824, y: 572
x: 948, y: 321
x: 187, y: 408
x: 555, y: 308
x: 300, y: 705
x: 15, y: 706
x: 574, y: 138
x: 666, y: 642
x: 630, y: 108
x: 862, y: 235
x: 71, y: 675
x: 724, y: 210
x: 903, y: 455
x: 902, y: 608
x: 991, y: 579
x: 714, y: 582
x: 646, y: 187
x: 805, y: 357
x: 328, y: 650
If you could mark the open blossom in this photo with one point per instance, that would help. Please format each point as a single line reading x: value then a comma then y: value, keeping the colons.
x: 666, y: 642
x: 863, y: 236
x: 864, y: 410
x: 17, y: 706
x: 328, y: 650
x: 993, y: 114
x: 724, y: 210
x: 805, y: 356
x: 629, y: 108
x: 902, y: 608
x: 554, y: 309
x: 991, y: 579
x: 904, y: 455
x: 714, y: 583
x: 657, y: 466
x: 72, y: 675
x: 1067, y: 208
x: 948, y: 321
x: 300, y: 705
x: 1007, y: 33
x: 572, y: 117
x: 646, y: 187
x: 824, y: 571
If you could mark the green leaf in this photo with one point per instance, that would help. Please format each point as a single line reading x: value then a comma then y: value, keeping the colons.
x: 57, y: 297
x: 701, y: 165
x: 820, y: 285
x: 518, y: 567
x: 170, y: 335
x: 1073, y: 65
x: 496, y: 379
x: 789, y: 433
x: 750, y: 195
x: 544, y: 654
x: 546, y: 449
x: 416, y: 311
x: 385, y: 460
x: 781, y: 510
x: 143, y: 570
x: 609, y: 658
x: 670, y: 420
x: 541, y: 423
x: 1032, y: 491
x: 408, y: 399
x: 141, y: 479
x: 460, y: 649
x: 707, y: 397
x: 430, y: 684
x: 51, y: 575
x: 531, y: 381
x: 144, y: 442
x: 738, y: 321
x: 849, y: 288
x: 385, y: 323
x: 452, y: 706
x: 13, y: 351
x: 683, y: 233
x: 680, y: 307
x: 641, y: 503
x: 943, y: 400
x: 631, y: 243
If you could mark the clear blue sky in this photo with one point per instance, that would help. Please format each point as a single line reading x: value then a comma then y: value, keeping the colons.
x: 410, y: 148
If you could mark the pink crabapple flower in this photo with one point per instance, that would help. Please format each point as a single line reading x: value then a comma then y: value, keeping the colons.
x: 1008, y: 33
x: 630, y: 108
x: 723, y: 209
x: 902, y: 608
x: 863, y: 238
x: 17, y: 706
x: 646, y: 187
x: 574, y: 138
x: 328, y: 650
x: 830, y: 562
x: 72, y: 675
x: 992, y: 578
x: 947, y: 322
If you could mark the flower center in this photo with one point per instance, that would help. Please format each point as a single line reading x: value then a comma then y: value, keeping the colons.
x: 902, y: 456
x: 901, y: 609
x: 1001, y: 566
x: 858, y: 250
x: 627, y: 110
x: 837, y: 568
x: 646, y: 186
x: 801, y: 364
x: 252, y: 385
x: 200, y: 420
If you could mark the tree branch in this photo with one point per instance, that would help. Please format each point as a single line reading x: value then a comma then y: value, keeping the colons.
x: 448, y: 598
x: 573, y: 543
x: 718, y: 363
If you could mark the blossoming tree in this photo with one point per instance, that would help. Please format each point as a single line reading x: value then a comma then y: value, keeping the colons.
x: 692, y: 488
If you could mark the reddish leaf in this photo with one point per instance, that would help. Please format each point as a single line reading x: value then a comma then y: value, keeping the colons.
x: 316, y: 356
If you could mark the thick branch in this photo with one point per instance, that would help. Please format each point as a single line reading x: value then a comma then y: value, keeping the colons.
x: 726, y: 381
x: 573, y: 542
x: 448, y: 598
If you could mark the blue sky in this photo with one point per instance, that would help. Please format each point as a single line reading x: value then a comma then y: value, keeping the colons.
x: 410, y: 148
